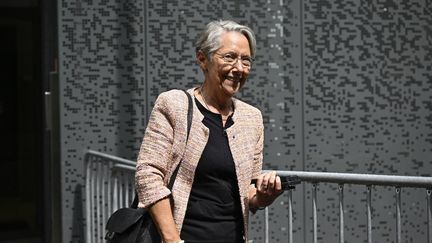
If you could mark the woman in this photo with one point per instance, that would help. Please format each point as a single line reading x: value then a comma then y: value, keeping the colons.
x: 212, y: 193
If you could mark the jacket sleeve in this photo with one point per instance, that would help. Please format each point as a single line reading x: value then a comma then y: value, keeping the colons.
x: 154, y: 158
x: 258, y: 152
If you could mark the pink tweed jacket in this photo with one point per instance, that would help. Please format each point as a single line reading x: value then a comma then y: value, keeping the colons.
x: 164, y: 144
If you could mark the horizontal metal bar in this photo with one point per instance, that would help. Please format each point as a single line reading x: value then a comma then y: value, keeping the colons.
x: 363, y: 179
x: 332, y: 177
x: 123, y: 167
x: 111, y: 157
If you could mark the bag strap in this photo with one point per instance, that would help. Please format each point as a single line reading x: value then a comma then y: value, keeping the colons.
x: 174, y: 174
x: 189, y: 124
x: 190, y: 114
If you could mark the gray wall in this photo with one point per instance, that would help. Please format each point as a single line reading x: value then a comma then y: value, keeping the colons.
x: 344, y: 86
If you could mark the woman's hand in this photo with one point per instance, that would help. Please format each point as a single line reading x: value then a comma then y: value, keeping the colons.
x: 268, y: 187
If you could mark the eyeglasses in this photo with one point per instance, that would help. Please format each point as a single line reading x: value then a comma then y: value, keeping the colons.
x: 232, y: 58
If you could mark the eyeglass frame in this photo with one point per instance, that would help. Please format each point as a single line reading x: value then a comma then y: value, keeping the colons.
x: 238, y: 57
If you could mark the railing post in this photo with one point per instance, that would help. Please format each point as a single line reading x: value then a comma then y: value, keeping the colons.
x: 115, y: 198
x: 398, y: 215
x: 314, y: 212
x: 109, y: 192
x: 266, y: 225
x: 429, y: 217
x: 369, y: 213
x: 88, y: 200
x: 97, y: 204
x: 125, y: 189
x: 290, y: 218
x: 104, y: 198
x: 93, y: 231
x: 341, y: 214
x: 121, y: 191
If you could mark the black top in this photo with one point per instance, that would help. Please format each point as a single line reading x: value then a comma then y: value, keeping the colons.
x: 214, y: 212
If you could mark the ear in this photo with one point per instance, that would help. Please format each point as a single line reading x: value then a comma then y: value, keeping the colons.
x: 202, y: 60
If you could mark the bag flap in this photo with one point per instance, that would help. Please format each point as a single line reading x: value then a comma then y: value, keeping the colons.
x: 123, y: 218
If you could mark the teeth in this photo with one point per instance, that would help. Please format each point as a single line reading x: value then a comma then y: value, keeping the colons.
x: 233, y: 78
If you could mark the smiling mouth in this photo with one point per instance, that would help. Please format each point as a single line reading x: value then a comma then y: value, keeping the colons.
x: 233, y: 78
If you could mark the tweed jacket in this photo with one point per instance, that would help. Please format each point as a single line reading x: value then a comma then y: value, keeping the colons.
x: 164, y: 144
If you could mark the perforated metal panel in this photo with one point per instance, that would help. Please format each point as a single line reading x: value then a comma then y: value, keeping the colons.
x: 343, y: 86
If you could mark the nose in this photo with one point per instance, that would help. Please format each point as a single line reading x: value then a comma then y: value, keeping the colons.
x: 238, y: 64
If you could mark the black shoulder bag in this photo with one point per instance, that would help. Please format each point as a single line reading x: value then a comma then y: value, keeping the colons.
x: 135, y: 225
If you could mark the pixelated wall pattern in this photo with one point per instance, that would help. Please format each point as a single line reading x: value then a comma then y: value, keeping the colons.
x: 103, y: 91
x: 367, y: 106
x: 343, y: 86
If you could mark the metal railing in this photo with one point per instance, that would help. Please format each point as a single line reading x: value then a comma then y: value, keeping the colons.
x: 368, y: 180
x: 110, y: 185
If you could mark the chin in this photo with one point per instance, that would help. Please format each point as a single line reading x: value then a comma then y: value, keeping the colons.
x: 231, y: 88
x: 231, y: 91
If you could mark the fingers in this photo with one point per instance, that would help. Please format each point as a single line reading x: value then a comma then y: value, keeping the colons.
x: 268, y: 188
x: 263, y: 182
x: 268, y: 183
x: 278, y: 185
x: 271, y: 178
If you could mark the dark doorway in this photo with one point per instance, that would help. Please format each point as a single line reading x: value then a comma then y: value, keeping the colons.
x: 23, y: 214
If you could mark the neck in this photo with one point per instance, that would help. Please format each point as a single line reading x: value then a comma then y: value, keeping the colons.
x: 215, y: 103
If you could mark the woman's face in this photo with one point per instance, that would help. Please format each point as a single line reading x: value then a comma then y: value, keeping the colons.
x: 223, y: 75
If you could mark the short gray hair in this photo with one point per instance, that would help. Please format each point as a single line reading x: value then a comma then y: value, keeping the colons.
x: 209, y: 39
